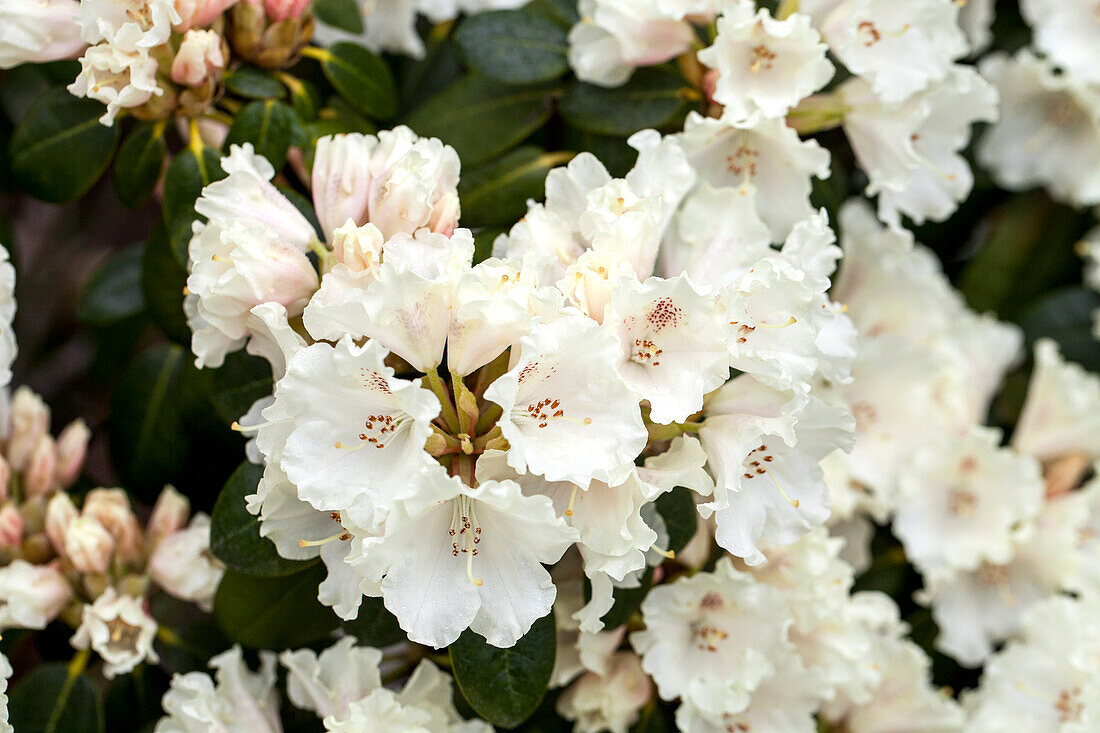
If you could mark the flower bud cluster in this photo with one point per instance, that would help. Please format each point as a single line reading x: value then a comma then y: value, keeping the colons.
x: 468, y: 423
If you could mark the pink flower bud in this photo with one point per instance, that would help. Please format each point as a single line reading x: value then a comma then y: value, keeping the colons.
x: 360, y: 248
x: 445, y: 214
x: 111, y: 508
x: 199, y: 57
x: 5, y: 477
x: 11, y: 526
x: 89, y: 545
x: 60, y: 513
x: 196, y: 13
x: 30, y: 420
x: 279, y: 10
x: 169, y: 514
x: 72, y: 449
x: 39, y: 473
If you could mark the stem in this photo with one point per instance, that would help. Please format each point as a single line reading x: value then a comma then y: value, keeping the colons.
x: 466, y: 403
x: 491, y: 415
x: 786, y: 9
x: 79, y: 662
x: 318, y: 54
x: 450, y: 416
x: 668, y: 432
x: 194, y: 140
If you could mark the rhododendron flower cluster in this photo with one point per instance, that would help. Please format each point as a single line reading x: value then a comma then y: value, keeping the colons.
x: 440, y: 430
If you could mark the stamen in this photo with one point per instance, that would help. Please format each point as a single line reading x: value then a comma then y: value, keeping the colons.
x: 792, y: 502
x: 572, y: 498
x: 790, y: 322
x: 664, y: 553
x: 341, y: 535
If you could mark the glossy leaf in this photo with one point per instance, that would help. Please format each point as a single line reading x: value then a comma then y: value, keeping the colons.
x: 187, y: 174
x: 496, y: 193
x: 268, y: 125
x: 162, y: 281
x: 513, y: 46
x: 113, y: 292
x: 505, y: 686
x: 343, y: 14
x: 51, y: 699
x: 251, y: 83
x: 273, y: 613
x: 481, y: 118
x: 139, y: 164
x: 235, y: 533
x: 375, y: 626
x: 677, y: 509
x: 60, y: 149
x: 653, y: 98
x: 362, y: 78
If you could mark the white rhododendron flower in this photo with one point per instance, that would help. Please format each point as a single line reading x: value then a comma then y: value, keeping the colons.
x: 1060, y: 416
x: 765, y: 65
x: 182, y: 564
x: 1049, y: 131
x: 33, y: 595
x: 612, y: 39
x: 119, y: 78
x: 119, y: 629
x: 607, y: 702
x: 1067, y: 33
x: 38, y: 31
x: 239, y: 699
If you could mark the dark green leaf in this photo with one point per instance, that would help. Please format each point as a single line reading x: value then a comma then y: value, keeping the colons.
x: 305, y: 98
x: 562, y: 12
x: 251, y: 83
x: 361, y: 78
x: 187, y: 647
x: 1028, y: 250
x: 187, y: 174
x: 1066, y: 315
x: 505, y: 686
x: 375, y: 626
x: 162, y: 280
x: 113, y: 292
x: 651, y: 720
x: 614, y: 152
x: 480, y: 117
x: 343, y: 14
x: 133, y: 700
x: 149, y: 444
x: 513, y: 46
x: 238, y: 383
x: 59, y: 150
x: 496, y: 193
x: 139, y: 163
x: 419, y: 79
x: 267, y: 124
x: 653, y: 98
x: 51, y: 700
x: 677, y: 508
x: 627, y: 601
x: 273, y: 613
x: 483, y: 243
x: 235, y: 533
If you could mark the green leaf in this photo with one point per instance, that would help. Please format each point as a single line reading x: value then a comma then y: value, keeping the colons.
x: 505, y: 686
x: 375, y: 626
x: 483, y: 242
x: 139, y: 163
x: 187, y: 174
x: 496, y: 193
x: 235, y: 533
x: 562, y: 12
x: 238, y: 383
x: 677, y: 508
x: 266, y: 124
x: 305, y: 98
x: 653, y: 98
x: 251, y: 83
x: 188, y: 646
x: 361, y: 78
x: 627, y: 601
x: 59, y: 150
x: 343, y: 14
x: 1066, y: 315
x: 113, y: 292
x: 162, y: 280
x: 273, y: 613
x: 513, y: 46
x: 133, y: 701
x: 1028, y: 250
x: 480, y: 117
x: 614, y: 152
x: 52, y: 700
x: 148, y: 439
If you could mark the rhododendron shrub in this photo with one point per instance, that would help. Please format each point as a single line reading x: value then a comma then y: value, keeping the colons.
x: 700, y: 365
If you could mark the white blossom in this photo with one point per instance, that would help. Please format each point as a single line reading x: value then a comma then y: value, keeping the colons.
x: 607, y: 702
x: 32, y: 595
x: 120, y: 79
x: 612, y: 39
x: 1061, y: 415
x: 239, y: 700
x: 1068, y: 33
x: 183, y: 564
x: 119, y: 629
x: 37, y: 32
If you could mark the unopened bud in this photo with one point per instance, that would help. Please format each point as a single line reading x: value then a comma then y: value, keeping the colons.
x: 60, y: 514
x: 11, y: 526
x: 445, y: 214
x: 30, y: 420
x: 360, y: 248
x: 89, y: 545
x: 111, y: 508
x: 270, y: 44
x: 72, y: 449
x: 169, y: 514
x: 279, y: 10
x: 200, y: 56
x: 41, y: 468
x: 197, y: 13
